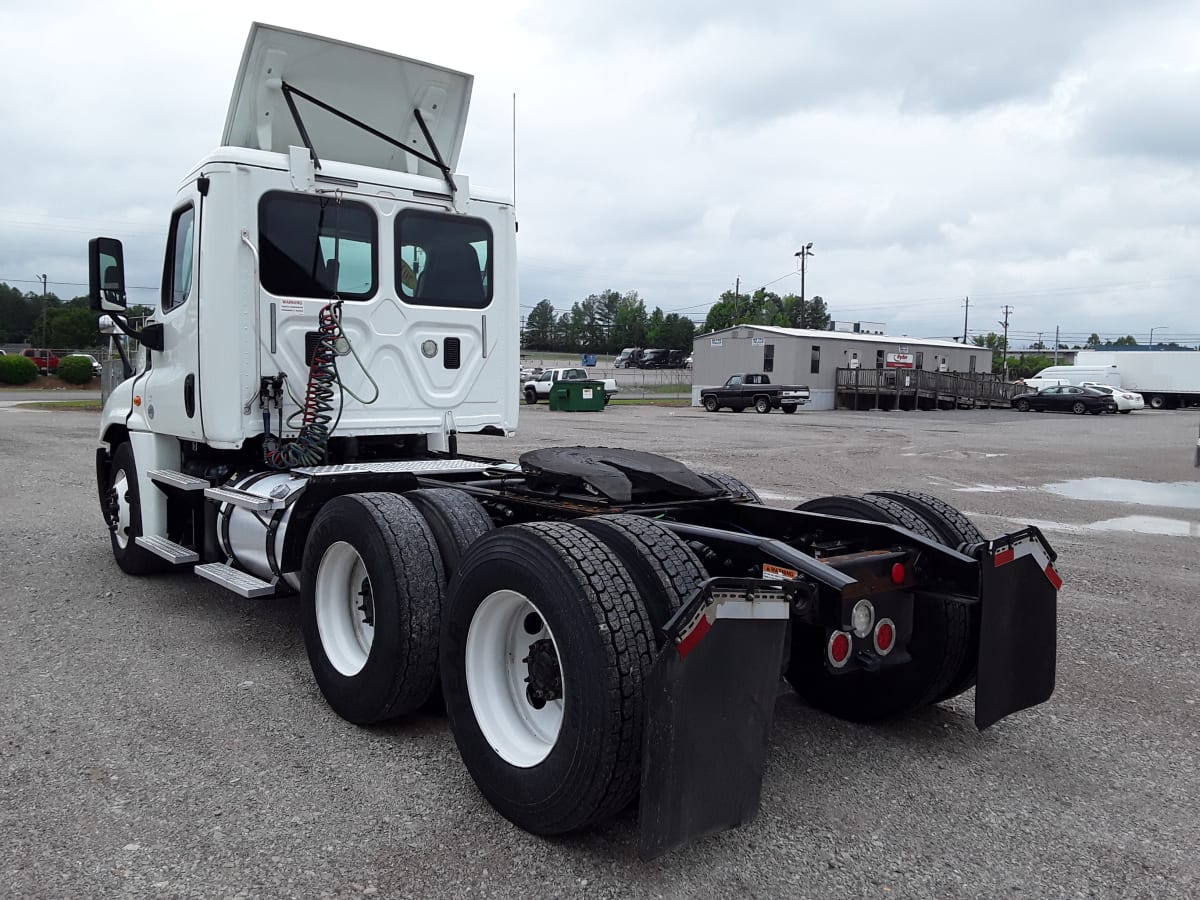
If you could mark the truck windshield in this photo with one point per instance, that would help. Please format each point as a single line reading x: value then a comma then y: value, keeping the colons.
x: 443, y: 260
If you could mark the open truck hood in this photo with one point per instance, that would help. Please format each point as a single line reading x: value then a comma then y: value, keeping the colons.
x: 379, y: 89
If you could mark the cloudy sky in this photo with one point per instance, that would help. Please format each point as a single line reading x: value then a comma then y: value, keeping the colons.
x: 1041, y: 156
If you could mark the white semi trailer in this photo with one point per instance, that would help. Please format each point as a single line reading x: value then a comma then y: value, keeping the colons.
x: 1167, y: 379
x: 338, y: 305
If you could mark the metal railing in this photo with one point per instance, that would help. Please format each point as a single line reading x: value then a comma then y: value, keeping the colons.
x: 916, y: 388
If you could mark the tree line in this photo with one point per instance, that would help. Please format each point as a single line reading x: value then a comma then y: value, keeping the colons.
x: 68, y: 324
x: 609, y: 321
x: 605, y: 323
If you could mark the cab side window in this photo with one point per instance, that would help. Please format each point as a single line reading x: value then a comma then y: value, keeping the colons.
x: 177, y: 268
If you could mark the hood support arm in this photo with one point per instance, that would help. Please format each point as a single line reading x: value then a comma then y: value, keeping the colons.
x: 435, y: 160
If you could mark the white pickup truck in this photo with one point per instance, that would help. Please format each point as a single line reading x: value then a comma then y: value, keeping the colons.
x: 539, y: 388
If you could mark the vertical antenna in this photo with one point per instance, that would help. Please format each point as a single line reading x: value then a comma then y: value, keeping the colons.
x: 514, y: 149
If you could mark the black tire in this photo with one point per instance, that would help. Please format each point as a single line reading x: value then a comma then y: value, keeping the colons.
x: 456, y: 519
x: 1079, y: 407
x: 132, y: 559
x: 405, y: 578
x: 1023, y: 405
x: 710, y: 403
x: 733, y: 485
x: 665, y: 570
x: 954, y: 530
x: 586, y: 601
x: 1156, y: 402
x: 788, y: 408
x: 938, y: 643
x: 531, y: 396
x: 762, y: 405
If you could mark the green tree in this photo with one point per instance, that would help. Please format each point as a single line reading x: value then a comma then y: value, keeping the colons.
x: 1093, y: 341
x: 539, y: 327
x: 654, y: 329
x: 73, y: 327
x: 1128, y: 341
x: 629, y: 323
x: 678, y: 332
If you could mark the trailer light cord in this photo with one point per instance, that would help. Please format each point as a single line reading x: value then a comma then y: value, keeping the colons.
x: 308, y: 448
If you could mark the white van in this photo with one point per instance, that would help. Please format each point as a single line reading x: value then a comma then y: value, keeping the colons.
x: 1052, y: 375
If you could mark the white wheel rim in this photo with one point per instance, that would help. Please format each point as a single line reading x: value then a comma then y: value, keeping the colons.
x: 346, y: 628
x: 120, y: 487
x: 498, y: 642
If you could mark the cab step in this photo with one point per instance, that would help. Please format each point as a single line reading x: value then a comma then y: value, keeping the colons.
x: 174, y: 553
x: 171, y: 478
x: 241, y: 583
x: 243, y: 499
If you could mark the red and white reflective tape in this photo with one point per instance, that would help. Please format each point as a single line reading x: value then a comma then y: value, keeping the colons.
x: 727, y: 608
x: 1029, y: 547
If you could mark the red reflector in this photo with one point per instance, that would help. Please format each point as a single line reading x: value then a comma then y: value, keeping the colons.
x: 885, y: 634
x: 693, y: 637
x: 1055, y: 578
x: 898, y: 573
x: 1005, y: 556
x: 839, y: 648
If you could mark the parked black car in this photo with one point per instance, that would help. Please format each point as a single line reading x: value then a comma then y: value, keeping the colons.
x: 1066, y: 398
x: 654, y: 359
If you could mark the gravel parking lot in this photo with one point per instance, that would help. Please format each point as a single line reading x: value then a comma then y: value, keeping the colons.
x: 162, y: 737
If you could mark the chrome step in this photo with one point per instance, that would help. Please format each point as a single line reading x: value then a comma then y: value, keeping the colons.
x: 172, y: 552
x: 177, y: 479
x: 243, y: 499
x: 389, y: 467
x: 235, y: 580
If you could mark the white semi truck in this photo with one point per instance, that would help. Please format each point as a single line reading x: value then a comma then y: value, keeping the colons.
x: 338, y: 305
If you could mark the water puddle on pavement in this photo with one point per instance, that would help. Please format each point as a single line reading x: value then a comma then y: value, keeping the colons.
x: 1177, y: 495
x: 1150, y: 525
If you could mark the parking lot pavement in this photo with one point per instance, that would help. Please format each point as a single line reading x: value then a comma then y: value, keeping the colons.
x: 161, y: 737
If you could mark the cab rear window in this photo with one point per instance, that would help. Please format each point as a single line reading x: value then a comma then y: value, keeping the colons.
x: 443, y: 260
x: 317, y: 247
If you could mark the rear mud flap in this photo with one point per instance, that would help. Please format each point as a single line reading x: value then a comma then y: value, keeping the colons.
x: 1018, y: 626
x: 710, y: 699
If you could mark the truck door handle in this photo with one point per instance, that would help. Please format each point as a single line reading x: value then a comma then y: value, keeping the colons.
x: 189, y: 395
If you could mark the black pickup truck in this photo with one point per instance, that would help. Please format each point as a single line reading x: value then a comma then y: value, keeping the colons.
x: 754, y: 389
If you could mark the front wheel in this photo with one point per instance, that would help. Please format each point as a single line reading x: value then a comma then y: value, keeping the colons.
x: 710, y: 403
x: 124, y: 515
x: 530, y: 396
x: 1079, y: 407
x: 1023, y: 405
x: 546, y: 650
x: 762, y: 405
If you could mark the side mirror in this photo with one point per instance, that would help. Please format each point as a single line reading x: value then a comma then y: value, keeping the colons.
x: 106, y: 275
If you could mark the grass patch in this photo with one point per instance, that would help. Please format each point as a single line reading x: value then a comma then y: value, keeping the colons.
x: 631, y: 401
x: 64, y: 405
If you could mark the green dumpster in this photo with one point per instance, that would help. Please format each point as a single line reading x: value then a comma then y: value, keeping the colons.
x: 577, y: 396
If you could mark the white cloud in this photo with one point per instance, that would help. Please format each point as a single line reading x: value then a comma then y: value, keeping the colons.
x: 1039, y: 156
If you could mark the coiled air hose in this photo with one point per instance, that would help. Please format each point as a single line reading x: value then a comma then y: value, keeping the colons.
x: 309, y: 446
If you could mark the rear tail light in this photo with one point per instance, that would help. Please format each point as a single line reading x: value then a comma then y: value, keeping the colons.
x: 885, y: 636
x: 862, y: 618
x: 838, y: 649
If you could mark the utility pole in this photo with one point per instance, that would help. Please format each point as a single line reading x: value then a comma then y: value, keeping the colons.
x: 1056, y: 345
x: 966, y: 310
x: 737, y: 296
x: 45, y: 323
x: 804, y: 253
x: 1007, y: 311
